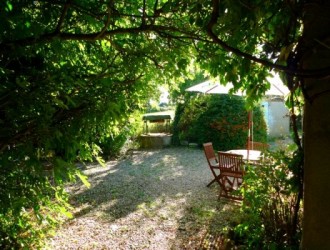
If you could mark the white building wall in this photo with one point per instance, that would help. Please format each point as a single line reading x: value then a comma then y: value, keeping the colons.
x: 277, y: 118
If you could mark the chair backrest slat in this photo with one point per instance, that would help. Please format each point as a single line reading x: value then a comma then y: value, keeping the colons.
x: 230, y: 162
x: 209, y: 153
x: 231, y: 174
x: 212, y: 162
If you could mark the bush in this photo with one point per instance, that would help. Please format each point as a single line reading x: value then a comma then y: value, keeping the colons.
x: 175, y: 125
x: 120, y: 140
x: 32, y: 200
x: 271, y: 207
x: 221, y: 119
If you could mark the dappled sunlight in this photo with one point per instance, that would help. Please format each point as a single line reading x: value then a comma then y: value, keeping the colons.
x: 227, y: 207
x: 149, y: 200
x: 136, y: 157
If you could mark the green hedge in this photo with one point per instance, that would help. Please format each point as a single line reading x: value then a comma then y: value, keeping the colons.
x: 221, y: 119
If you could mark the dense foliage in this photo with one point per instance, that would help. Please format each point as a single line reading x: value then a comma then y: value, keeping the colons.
x: 220, y: 119
x: 64, y: 97
x: 272, y: 219
x: 72, y: 73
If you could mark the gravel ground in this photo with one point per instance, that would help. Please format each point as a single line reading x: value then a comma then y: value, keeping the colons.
x: 155, y: 199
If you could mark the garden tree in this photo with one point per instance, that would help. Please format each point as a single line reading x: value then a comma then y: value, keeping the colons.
x: 315, y: 54
x: 73, y: 71
x: 304, y: 58
x: 292, y: 37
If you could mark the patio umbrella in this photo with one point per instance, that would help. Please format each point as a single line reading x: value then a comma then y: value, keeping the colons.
x: 277, y: 89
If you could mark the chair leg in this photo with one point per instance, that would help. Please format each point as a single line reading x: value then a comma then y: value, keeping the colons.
x: 214, y: 180
x: 228, y: 186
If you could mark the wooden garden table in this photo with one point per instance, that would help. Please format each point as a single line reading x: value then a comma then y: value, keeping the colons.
x: 254, y: 155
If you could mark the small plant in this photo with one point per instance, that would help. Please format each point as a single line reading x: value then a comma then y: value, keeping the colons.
x: 30, y: 209
x: 32, y: 196
x: 271, y: 207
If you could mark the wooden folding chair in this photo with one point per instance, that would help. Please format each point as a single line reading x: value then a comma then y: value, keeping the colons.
x: 231, y: 174
x: 212, y: 162
x: 253, y: 145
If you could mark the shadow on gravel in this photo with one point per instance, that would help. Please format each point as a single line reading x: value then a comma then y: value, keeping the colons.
x: 151, y: 180
x: 140, y: 178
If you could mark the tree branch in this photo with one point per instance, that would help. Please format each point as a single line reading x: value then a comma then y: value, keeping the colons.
x: 319, y: 73
x: 107, y: 23
x: 97, y: 35
x: 143, y: 23
x: 62, y: 17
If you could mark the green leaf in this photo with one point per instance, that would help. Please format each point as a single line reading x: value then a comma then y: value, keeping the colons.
x: 60, y: 103
x: 9, y: 6
x: 83, y: 178
x: 100, y: 160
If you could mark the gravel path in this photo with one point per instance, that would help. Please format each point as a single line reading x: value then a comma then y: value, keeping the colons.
x: 154, y: 199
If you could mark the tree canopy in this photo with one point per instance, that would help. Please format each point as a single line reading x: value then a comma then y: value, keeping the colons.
x: 73, y: 72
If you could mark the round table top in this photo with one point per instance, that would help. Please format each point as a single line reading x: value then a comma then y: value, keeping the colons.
x: 254, y: 155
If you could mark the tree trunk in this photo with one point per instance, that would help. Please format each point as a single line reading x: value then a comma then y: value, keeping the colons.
x: 316, y: 54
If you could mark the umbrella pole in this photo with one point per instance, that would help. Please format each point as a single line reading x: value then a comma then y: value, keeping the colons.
x: 252, y: 126
x: 249, y: 134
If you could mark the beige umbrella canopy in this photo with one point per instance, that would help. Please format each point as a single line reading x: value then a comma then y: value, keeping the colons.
x: 277, y: 89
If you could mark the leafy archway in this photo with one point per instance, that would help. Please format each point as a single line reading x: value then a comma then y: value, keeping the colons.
x: 73, y: 71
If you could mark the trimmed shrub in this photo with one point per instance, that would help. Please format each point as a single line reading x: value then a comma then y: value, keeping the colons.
x: 175, y: 126
x: 221, y: 119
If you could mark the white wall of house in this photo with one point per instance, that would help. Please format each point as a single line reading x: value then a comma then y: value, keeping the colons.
x: 277, y: 118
